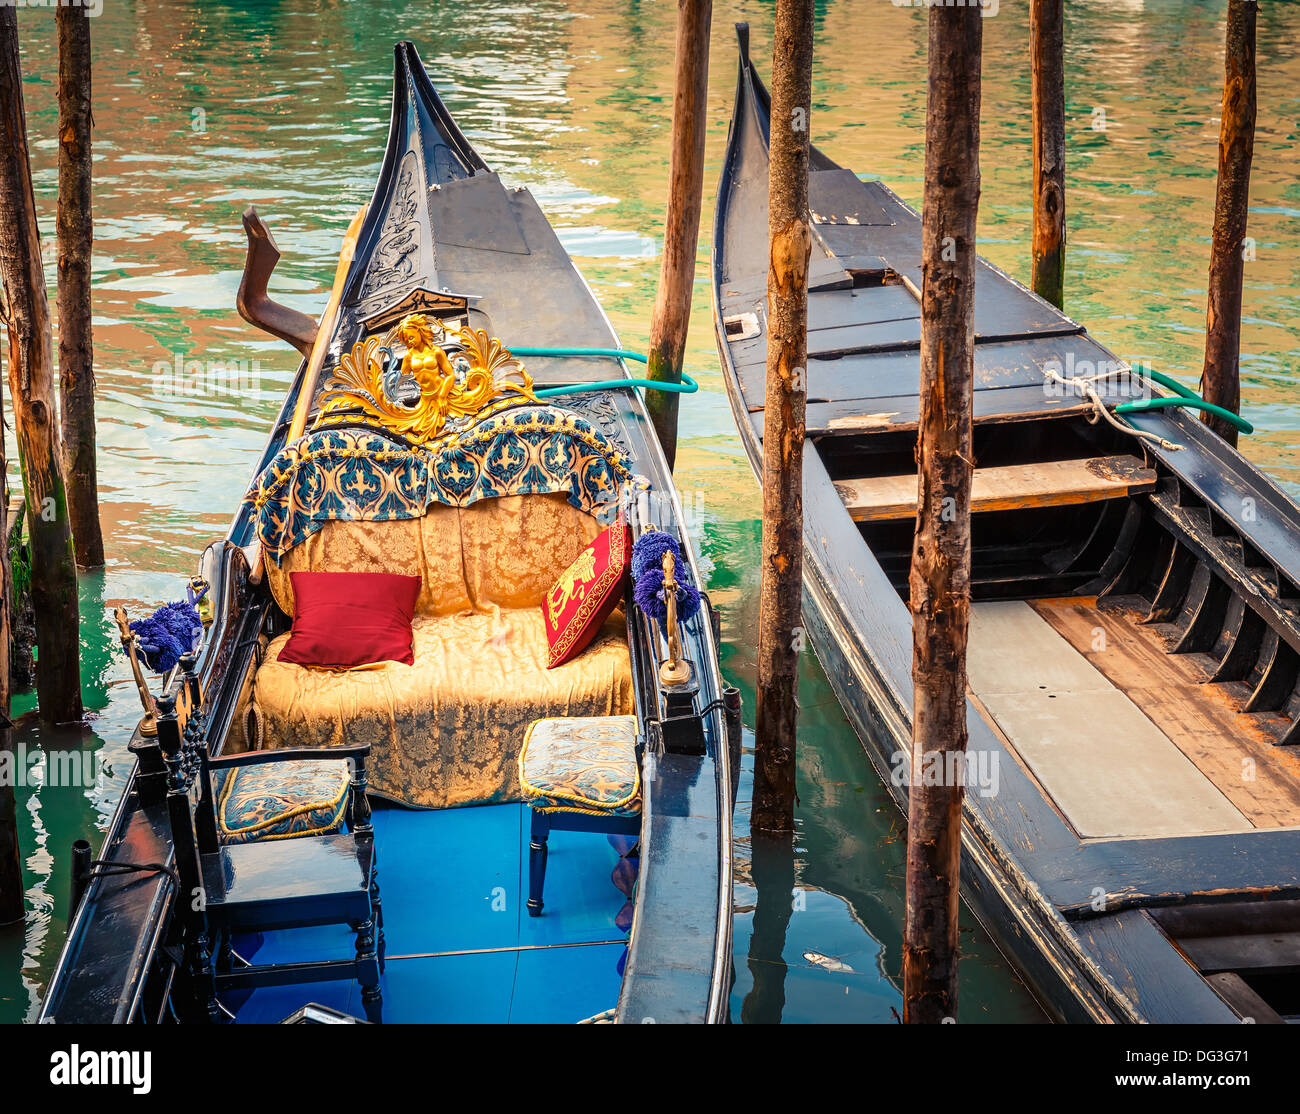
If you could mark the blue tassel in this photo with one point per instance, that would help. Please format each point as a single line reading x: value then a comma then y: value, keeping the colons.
x: 649, y: 595
x: 170, y: 632
x: 650, y: 549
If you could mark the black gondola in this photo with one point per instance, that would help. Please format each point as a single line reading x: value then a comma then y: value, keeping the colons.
x: 447, y: 259
x: 1133, y: 784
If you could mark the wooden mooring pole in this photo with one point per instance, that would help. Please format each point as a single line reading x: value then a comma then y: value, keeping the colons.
x: 1047, y: 58
x: 672, y: 312
x: 939, y: 584
x: 75, y: 234
x: 1220, y: 376
x: 780, y: 634
x: 31, y: 389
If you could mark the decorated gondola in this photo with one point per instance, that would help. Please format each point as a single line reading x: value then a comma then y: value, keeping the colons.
x: 1131, y: 828
x: 440, y: 734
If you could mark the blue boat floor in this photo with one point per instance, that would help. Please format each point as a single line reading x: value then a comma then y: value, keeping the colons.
x: 460, y: 944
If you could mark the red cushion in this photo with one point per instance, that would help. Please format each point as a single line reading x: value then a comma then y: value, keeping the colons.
x: 587, y: 591
x: 351, y: 618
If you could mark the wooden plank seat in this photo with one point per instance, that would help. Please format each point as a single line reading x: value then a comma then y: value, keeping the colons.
x: 1051, y: 483
x: 291, y: 883
x: 579, y: 774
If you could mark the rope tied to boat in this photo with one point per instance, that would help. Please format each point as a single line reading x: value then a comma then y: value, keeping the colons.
x: 1086, y: 386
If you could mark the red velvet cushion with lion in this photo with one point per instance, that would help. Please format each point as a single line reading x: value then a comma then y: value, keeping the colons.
x: 587, y: 591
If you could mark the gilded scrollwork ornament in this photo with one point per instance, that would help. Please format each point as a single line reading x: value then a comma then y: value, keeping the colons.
x: 444, y: 380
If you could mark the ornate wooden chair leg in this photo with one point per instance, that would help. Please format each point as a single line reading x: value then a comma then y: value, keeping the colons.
x: 537, y: 853
x: 377, y: 904
x: 362, y: 825
x: 368, y: 971
x: 359, y: 818
x: 222, y: 951
x: 204, y: 974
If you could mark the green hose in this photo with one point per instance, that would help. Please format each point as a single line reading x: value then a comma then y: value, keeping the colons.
x: 687, y: 386
x: 613, y: 353
x: 1186, y: 397
x: 1168, y: 381
x: 1190, y: 400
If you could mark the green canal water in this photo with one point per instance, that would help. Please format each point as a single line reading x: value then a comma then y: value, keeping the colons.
x: 203, y: 108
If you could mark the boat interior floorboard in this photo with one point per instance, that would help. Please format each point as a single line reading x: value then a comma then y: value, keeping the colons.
x: 461, y: 947
x: 1112, y: 772
x: 1207, y: 722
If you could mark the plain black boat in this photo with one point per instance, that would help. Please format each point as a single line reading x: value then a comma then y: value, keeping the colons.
x: 1129, y: 834
x: 514, y: 485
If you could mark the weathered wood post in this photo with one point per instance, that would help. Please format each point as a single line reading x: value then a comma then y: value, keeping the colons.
x: 1047, y: 57
x: 31, y: 387
x: 1220, y: 377
x: 672, y: 312
x: 12, y: 907
x: 780, y: 635
x: 939, y: 583
x: 75, y: 234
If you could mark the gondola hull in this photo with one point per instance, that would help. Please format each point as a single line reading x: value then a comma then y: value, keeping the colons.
x: 1111, y: 571
x: 442, y: 234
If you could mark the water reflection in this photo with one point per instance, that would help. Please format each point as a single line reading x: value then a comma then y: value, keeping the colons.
x: 771, y: 873
x: 202, y: 108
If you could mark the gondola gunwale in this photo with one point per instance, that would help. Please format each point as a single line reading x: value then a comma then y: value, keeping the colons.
x: 1032, y: 856
x: 695, y: 988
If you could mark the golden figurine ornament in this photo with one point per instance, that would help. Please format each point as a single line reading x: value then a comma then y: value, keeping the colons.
x: 452, y: 387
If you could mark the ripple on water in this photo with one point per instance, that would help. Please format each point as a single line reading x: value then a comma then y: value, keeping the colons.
x: 200, y: 114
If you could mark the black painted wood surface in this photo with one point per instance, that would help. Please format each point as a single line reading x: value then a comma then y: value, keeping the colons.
x: 494, y: 244
x: 1071, y: 914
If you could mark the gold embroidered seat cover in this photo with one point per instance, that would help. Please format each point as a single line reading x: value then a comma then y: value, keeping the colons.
x: 487, y: 494
x: 447, y: 730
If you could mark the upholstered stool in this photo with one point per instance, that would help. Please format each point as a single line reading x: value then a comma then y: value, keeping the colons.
x: 579, y: 775
x: 281, y: 800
